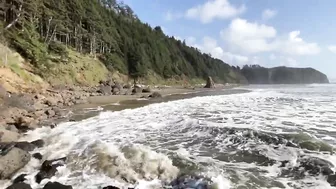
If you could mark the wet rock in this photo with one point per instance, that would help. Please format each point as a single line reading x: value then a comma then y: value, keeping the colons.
x: 37, y: 156
x: 110, y: 187
x: 26, y: 146
x: 105, y: 90
x: 332, y: 179
x: 20, y: 185
x: 12, y: 161
x: 20, y: 178
x: 190, y: 182
x: 146, y: 90
x: 155, y: 95
x: 56, y: 185
x: 11, y: 128
x: 8, y: 136
x: 6, y: 147
x: 209, y: 83
x: 49, y: 169
x: 38, y: 143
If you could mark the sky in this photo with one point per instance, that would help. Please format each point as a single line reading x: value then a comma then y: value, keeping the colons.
x: 295, y: 33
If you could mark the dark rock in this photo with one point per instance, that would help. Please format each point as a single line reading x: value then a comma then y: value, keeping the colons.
x: 50, y: 113
x: 110, y: 187
x: 37, y: 156
x: 146, y: 90
x: 38, y: 143
x: 49, y: 169
x: 56, y: 185
x: 191, y: 182
x: 12, y: 161
x: 6, y: 147
x: 20, y: 178
x: 105, y: 90
x: 332, y: 179
x: 26, y: 146
x: 209, y: 83
x: 155, y: 95
x: 20, y: 185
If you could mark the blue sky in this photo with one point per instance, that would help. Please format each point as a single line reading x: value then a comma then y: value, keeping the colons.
x: 298, y: 33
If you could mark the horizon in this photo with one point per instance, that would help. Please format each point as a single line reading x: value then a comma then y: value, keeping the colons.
x: 269, y: 34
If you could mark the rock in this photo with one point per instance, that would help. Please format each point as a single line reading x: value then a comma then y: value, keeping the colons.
x: 146, y: 90
x: 155, y: 95
x: 38, y: 143
x: 56, y: 185
x: 6, y: 147
x: 332, y: 180
x: 49, y: 169
x: 115, y: 91
x: 51, y: 101
x: 110, y: 187
x: 20, y: 178
x: 11, y: 128
x: 3, y: 92
x: 26, y: 146
x: 105, y: 90
x: 136, y: 90
x: 37, y: 156
x: 25, y: 123
x: 8, y: 136
x: 209, y: 83
x: 20, y: 185
x: 191, y: 182
x: 50, y: 113
x: 13, y: 161
x: 127, y: 86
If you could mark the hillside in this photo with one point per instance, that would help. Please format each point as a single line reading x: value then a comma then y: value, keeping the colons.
x: 49, y: 33
x: 282, y: 75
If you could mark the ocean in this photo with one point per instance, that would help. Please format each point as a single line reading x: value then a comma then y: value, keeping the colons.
x: 280, y: 136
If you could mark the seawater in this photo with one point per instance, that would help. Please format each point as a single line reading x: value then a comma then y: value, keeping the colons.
x: 234, y: 141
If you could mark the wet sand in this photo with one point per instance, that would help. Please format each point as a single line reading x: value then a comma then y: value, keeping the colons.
x: 122, y: 102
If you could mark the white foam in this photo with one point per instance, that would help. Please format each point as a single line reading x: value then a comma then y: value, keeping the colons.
x: 181, y: 127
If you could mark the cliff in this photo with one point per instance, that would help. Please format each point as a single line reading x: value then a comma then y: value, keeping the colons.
x: 283, y: 75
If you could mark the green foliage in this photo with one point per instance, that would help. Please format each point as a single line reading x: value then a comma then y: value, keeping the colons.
x: 112, y: 32
x: 58, y: 48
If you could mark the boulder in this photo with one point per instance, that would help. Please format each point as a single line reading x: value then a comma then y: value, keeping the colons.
x: 146, y: 90
x: 13, y: 161
x: 51, y: 101
x: 20, y: 178
x: 8, y: 136
x: 110, y: 187
x: 115, y: 91
x: 105, y: 90
x: 3, y: 92
x: 20, y: 185
x: 38, y: 143
x: 127, y: 86
x: 209, y: 83
x: 56, y: 185
x: 26, y: 146
x: 37, y: 156
x: 11, y: 128
x: 49, y: 169
x: 155, y: 95
x: 332, y: 179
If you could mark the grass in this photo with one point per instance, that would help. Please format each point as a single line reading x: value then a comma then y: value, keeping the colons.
x: 78, y: 69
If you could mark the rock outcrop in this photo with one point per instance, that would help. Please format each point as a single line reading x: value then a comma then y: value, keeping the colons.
x: 209, y: 83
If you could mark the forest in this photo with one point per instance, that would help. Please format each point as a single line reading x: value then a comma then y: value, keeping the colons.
x: 43, y: 32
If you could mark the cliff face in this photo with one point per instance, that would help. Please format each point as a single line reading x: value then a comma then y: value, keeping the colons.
x: 283, y: 75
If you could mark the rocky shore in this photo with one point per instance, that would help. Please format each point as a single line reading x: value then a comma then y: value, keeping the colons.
x: 22, y: 112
